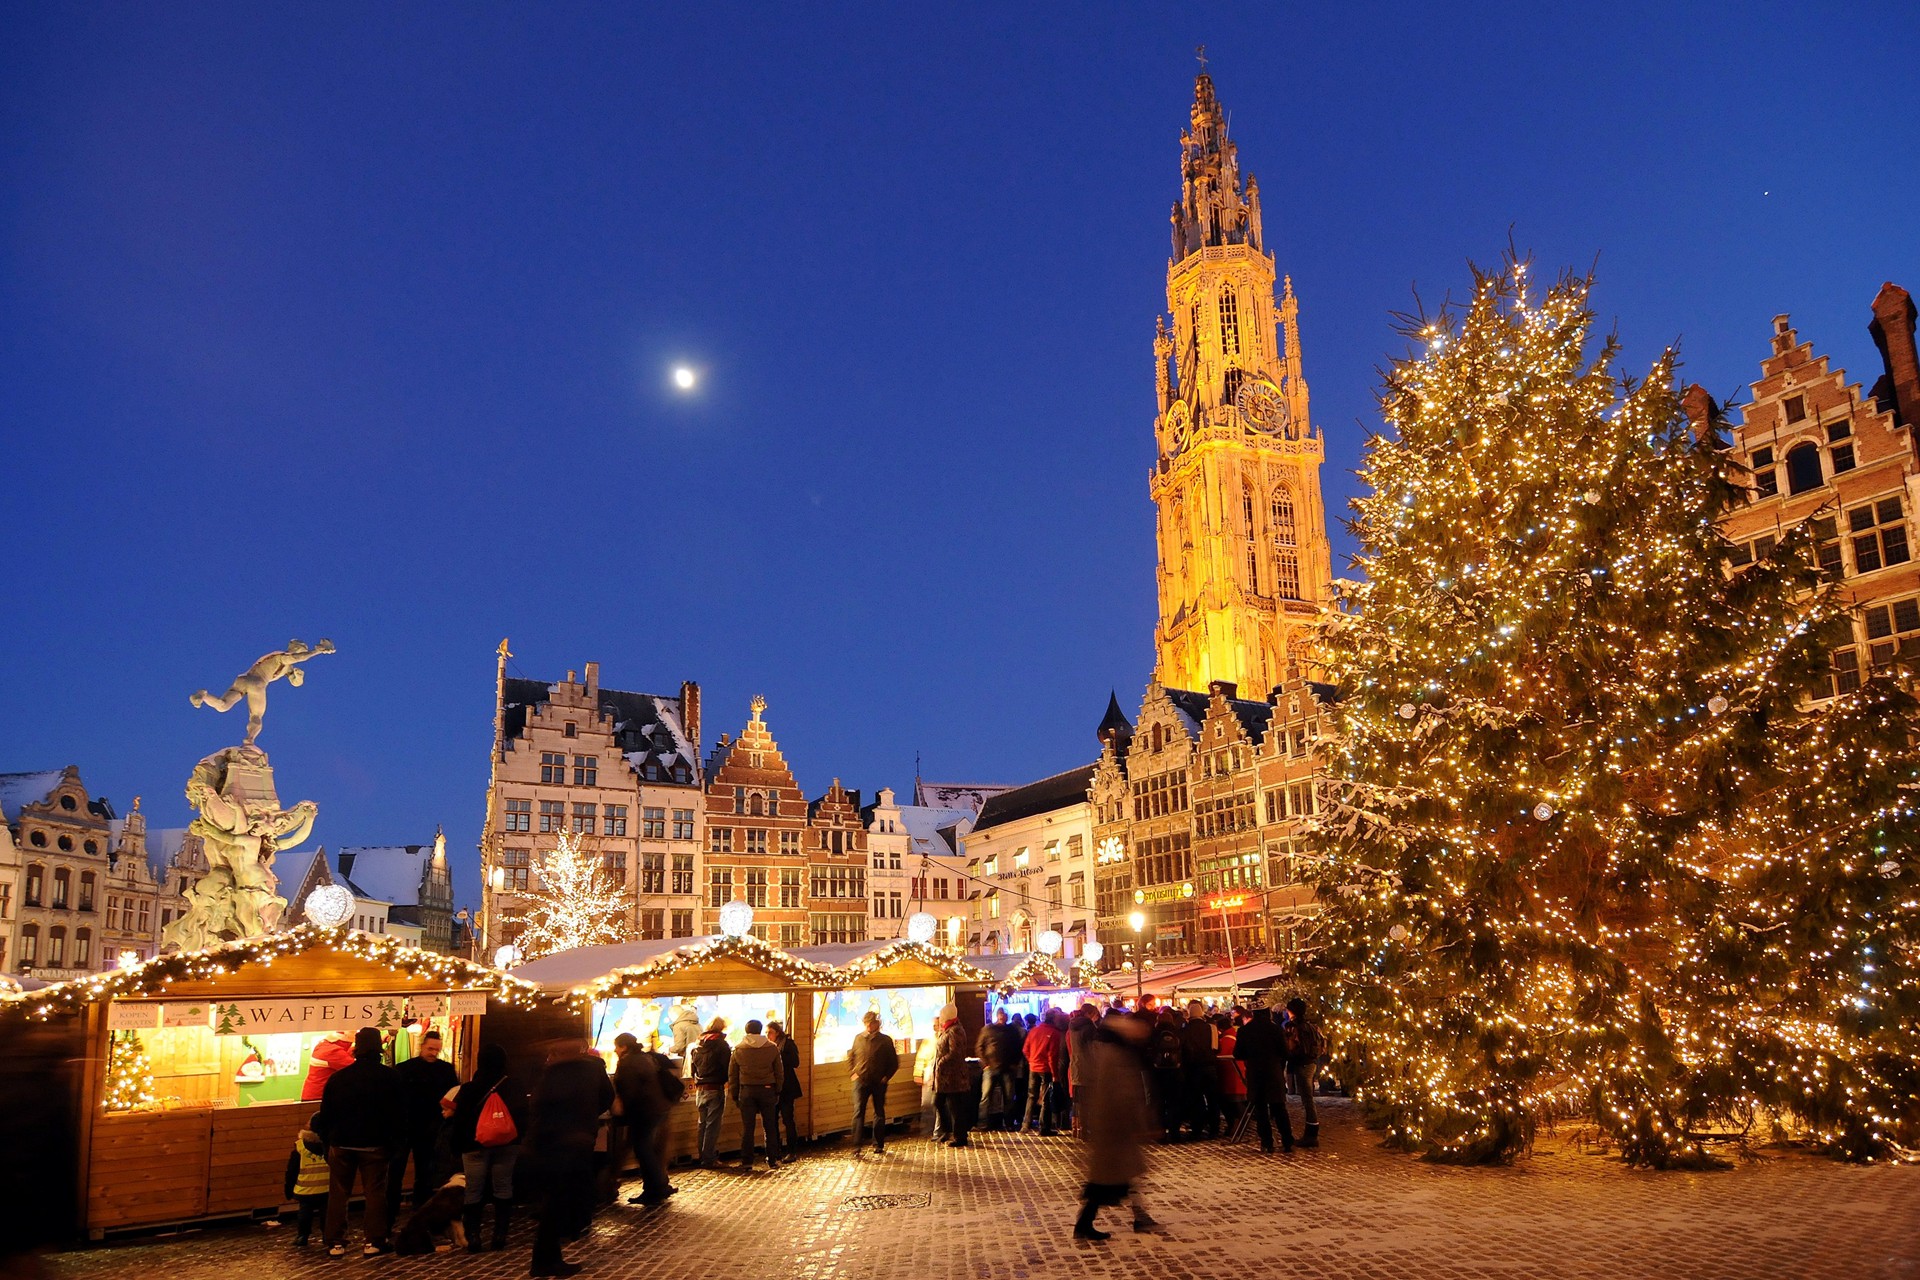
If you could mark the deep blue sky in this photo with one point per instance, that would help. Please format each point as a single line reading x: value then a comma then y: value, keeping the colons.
x: 356, y: 321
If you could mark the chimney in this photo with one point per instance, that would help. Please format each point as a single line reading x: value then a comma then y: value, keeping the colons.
x: 573, y: 677
x: 593, y: 680
x: 1701, y: 411
x: 1892, y: 330
x: 690, y: 713
x: 1225, y: 688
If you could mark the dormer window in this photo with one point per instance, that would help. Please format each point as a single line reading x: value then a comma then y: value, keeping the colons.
x: 572, y: 730
x: 1796, y: 407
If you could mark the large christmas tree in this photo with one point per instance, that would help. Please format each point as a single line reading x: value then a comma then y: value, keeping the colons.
x: 574, y: 902
x: 1557, y: 703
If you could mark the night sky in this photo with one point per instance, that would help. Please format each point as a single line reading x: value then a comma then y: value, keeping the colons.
x: 358, y: 322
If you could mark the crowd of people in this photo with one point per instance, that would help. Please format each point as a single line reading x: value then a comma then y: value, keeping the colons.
x: 1117, y: 1078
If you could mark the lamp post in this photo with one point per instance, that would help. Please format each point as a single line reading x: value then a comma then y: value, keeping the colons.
x: 1139, y: 921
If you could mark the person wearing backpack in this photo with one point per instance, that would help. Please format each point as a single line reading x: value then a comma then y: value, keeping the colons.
x: 1303, y: 1064
x: 710, y: 1061
x: 489, y: 1119
x: 642, y: 1098
x: 872, y: 1061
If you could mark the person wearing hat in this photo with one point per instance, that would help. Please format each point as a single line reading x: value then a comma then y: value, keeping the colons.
x: 360, y: 1121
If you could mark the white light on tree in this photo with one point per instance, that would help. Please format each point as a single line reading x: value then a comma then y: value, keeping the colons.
x: 736, y: 919
x: 1093, y: 951
x: 506, y: 957
x: 330, y: 906
x: 1051, y: 941
x: 921, y: 926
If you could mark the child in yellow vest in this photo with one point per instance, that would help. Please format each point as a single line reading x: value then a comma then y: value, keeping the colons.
x: 307, y: 1181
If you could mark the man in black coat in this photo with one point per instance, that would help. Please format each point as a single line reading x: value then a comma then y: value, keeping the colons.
x: 360, y: 1121
x: 573, y: 1094
x: 643, y: 1106
x: 1262, y: 1047
x: 424, y: 1079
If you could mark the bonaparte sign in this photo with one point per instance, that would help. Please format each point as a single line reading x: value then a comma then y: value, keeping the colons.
x: 311, y: 1013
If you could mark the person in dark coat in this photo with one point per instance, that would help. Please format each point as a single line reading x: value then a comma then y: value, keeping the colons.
x: 359, y: 1119
x: 790, y: 1091
x: 1115, y: 1116
x: 710, y: 1061
x: 952, y: 1078
x: 425, y: 1079
x: 643, y: 1108
x: 1167, y: 1055
x: 872, y: 1061
x: 996, y: 1050
x: 489, y: 1169
x: 1262, y: 1049
x: 1200, y: 1041
x: 573, y: 1093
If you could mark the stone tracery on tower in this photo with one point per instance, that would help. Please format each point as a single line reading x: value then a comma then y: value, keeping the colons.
x: 1244, y: 563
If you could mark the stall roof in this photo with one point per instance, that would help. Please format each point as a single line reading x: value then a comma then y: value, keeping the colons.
x: 1256, y: 974
x: 1158, y: 982
x: 302, y: 955
x: 565, y: 970
x: 1031, y: 969
x: 854, y: 962
x: 623, y: 968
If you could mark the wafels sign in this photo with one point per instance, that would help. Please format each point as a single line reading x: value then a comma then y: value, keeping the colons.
x: 312, y: 1013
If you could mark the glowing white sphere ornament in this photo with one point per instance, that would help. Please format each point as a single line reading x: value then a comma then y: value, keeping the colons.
x: 921, y: 926
x: 1050, y: 942
x: 1408, y: 711
x: 1093, y: 951
x: 1717, y: 704
x: 330, y: 906
x: 1543, y: 811
x: 736, y: 919
x: 684, y: 378
x: 507, y: 957
x: 1398, y: 933
x: 1593, y: 496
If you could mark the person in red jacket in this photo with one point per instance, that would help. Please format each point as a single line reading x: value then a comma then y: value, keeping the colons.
x: 1042, y: 1051
x: 332, y: 1052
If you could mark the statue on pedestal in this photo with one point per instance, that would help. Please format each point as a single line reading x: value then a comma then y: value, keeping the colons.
x: 239, y: 819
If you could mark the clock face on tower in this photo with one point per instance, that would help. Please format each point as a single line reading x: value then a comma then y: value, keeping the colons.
x: 1179, y: 423
x: 1263, y: 407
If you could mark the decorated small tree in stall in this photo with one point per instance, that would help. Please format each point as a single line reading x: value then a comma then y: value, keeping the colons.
x: 129, y: 1081
x: 574, y: 902
x: 1538, y: 755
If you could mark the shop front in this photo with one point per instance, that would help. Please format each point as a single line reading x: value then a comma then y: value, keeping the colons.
x: 204, y: 1066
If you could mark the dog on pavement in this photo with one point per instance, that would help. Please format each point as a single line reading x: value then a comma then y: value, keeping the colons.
x: 440, y: 1215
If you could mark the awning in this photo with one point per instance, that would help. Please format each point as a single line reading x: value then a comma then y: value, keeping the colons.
x: 1254, y: 976
x: 1159, y: 981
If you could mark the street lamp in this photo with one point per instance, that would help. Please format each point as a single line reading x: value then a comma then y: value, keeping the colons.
x: 1139, y: 921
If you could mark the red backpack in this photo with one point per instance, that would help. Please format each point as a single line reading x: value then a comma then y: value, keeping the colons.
x: 495, y: 1126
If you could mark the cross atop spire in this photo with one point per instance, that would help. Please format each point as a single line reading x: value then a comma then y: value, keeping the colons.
x: 1200, y: 52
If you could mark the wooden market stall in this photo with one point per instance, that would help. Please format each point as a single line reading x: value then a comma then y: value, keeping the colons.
x: 907, y: 983
x: 665, y: 992
x: 1023, y: 983
x: 196, y: 1061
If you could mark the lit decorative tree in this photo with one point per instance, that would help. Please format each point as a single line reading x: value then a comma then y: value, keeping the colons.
x: 573, y: 902
x: 1538, y: 754
x: 129, y: 1084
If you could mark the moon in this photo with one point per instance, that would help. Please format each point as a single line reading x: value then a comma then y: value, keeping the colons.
x: 684, y: 377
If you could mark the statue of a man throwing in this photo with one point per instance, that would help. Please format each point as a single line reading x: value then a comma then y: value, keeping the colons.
x: 252, y: 683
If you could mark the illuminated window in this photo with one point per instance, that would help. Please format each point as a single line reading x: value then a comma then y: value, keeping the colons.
x: 1229, y: 321
x: 1286, y: 547
x: 993, y: 906
x: 57, y: 946
x: 990, y: 867
x: 29, y: 945
x: 1021, y: 859
x: 36, y: 878
x: 1879, y: 532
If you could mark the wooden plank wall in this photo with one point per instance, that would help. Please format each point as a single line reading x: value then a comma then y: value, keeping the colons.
x: 248, y: 1156
x: 148, y: 1167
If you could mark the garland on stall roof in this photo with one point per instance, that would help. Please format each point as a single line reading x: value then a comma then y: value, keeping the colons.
x: 947, y: 962
x: 1036, y: 970
x: 153, y: 977
x: 760, y: 954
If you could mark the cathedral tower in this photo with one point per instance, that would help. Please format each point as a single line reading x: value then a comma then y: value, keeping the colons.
x: 1244, y: 560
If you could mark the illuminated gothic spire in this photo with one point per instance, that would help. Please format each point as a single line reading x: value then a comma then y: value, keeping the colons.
x: 1212, y: 209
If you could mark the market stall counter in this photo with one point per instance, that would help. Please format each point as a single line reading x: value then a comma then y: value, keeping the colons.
x: 203, y: 1066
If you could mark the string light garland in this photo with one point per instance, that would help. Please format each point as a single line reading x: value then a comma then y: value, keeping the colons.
x: 129, y: 1082
x: 1626, y: 860
x: 1036, y: 970
x: 758, y: 952
x: 155, y: 977
x: 954, y: 967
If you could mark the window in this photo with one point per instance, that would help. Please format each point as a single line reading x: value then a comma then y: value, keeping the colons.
x: 515, y: 863
x: 553, y: 816
x: 991, y: 867
x: 1053, y: 892
x: 86, y: 890
x: 1073, y: 848
x: 586, y: 771
x: 1766, y: 481
x: 653, y: 923
x: 739, y: 799
x: 719, y: 886
x: 757, y: 840
x: 653, y: 873
x: 790, y: 843
x: 719, y: 839
x: 683, y: 824
x: 1253, y: 540
x: 83, y: 949
x: 57, y: 947
x: 1826, y: 544
x: 616, y: 815
x: 1286, y: 547
x: 1893, y: 632
x: 615, y: 867
x: 519, y: 815
x: 790, y: 887
x: 1231, y: 389
x: 756, y: 886
x: 756, y: 806
x: 571, y: 731
x: 1077, y: 889
x: 683, y: 873
x: 1879, y: 532
x: 62, y: 883
x: 36, y: 874
x: 838, y: 926
x: 553, y: 769
x: 1841, y: 458
x: 583, y: 815
x: 1845, y: 674
x: 1745, y: 553
x: 1021, y: 858
x: 683, y: 922
x: 653, y: 823
x: 1796, y: 407
x: 1229, y: 320
x: 993, y: 906
x: 839, y: 882
x: 1803, y: 468
x: 940, y: 887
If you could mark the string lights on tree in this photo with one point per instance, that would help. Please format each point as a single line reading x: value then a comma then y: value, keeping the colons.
x: 574, y: 903
x: 1620, y: 861
x: 129, y: 1082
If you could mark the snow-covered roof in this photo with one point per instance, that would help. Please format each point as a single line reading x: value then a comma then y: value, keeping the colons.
x: 18, y: 789
x: 835, y: 954
x: 387, y: 872
x: 924, y: 823
x: 293, y: 868
x: 564, y: 970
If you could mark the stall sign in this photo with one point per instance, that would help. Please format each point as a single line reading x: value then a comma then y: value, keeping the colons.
x: 325, y: 1013
x: 122, y: 1016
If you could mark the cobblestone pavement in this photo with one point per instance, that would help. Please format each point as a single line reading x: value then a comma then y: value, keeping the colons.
x: 1004, y: 1211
